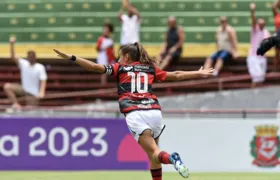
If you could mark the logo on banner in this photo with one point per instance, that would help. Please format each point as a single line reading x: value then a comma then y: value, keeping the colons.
x: 265, y: 146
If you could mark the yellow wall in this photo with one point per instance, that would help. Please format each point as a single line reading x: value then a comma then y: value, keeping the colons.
x: 45, y: 50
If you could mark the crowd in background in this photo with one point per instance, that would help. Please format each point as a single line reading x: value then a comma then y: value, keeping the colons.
x: 170, y: 54
x: 226, y: 41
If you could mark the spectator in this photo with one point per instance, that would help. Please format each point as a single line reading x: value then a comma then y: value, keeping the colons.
x: 276, y: 15
x: 33, y: 80
x: 130, y: 22
x: 173, y: 44
x: 257, y: 64
x: 105, y: 48
x: 226, y: 40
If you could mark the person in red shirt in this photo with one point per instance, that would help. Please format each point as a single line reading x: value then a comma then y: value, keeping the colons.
x: 105, y: 49
x: 135, y: 73
x: 276, y: 15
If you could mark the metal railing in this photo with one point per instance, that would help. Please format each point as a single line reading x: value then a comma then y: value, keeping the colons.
x: 183, y: 84
x: 116, y: 113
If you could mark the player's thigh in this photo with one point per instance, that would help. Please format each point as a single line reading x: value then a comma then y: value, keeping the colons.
x: 154, y: 119
x: 137, y: 124
x: 140, y: 121
x: 148, y: 143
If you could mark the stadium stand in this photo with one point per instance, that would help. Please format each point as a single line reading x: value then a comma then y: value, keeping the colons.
x: 74, y: 26
x: 62, y: 21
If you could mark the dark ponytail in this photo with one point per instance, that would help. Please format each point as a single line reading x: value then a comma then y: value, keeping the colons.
x: 144, y: 57
x: 137, y: 53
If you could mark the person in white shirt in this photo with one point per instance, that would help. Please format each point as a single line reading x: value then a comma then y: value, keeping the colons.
x: 130, y: 30
x: 33, y: 80
x: 105, y: 49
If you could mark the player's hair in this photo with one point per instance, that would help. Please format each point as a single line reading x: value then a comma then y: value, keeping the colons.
x: 136, y: 52
x: 109, y: 26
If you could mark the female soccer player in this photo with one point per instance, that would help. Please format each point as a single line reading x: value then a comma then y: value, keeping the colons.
x: 135, y: 73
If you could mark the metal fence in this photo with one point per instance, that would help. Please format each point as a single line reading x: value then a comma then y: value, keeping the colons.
x: 176, y: 113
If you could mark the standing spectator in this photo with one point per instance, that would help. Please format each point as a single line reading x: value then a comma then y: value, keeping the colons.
x: 276, y: 15
x: 226, y: 40
x: 105, y: 48
x: 173, y: 44
x: 33, y: 80
x: 130, y: 22
x: 257, y: 64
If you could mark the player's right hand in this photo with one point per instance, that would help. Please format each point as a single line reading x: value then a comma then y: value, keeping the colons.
x: 206, y: 72
x: 62, y: 55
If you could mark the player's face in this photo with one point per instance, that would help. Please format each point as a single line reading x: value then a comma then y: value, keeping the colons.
x: 124, y: 59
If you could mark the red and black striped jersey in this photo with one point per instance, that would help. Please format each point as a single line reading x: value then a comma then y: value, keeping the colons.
x: 135, y: 85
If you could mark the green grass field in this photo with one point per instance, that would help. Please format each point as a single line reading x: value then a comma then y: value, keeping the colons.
x: 11, y: 175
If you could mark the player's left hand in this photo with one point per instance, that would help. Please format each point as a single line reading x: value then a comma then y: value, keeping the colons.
x: 206, y: 72
x: 62, y: 55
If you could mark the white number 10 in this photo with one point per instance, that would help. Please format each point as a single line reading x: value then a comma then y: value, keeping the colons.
x: 136, y: 82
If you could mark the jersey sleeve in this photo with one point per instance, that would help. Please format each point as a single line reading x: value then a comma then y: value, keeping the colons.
x: 112, y: 69
x: 160, y: 75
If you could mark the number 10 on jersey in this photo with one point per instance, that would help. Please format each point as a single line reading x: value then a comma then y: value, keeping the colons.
x: 139, y: 82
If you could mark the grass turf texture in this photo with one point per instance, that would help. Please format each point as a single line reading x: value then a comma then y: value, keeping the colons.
x: 130, y: 175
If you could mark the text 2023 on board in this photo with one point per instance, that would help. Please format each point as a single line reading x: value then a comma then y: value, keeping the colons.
x: 43, y: 143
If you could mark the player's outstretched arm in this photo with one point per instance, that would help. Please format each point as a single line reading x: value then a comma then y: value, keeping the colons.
x: 86, y: 64
x: 183, y: 75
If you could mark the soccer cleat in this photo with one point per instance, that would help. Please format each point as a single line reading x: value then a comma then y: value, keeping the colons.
x: 179, y: 165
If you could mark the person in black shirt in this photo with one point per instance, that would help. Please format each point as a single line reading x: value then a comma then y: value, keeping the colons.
x: 173, y: 44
